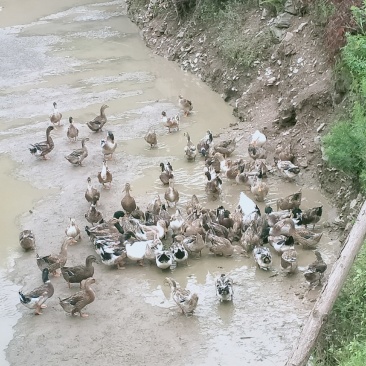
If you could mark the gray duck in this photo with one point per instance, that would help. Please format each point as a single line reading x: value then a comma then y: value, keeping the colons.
x: 77, y: 156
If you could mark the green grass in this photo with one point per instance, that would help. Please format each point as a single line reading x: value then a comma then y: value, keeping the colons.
x: 343, y: 339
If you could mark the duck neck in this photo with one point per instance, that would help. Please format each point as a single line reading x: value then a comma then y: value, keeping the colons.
x: 63, y: 251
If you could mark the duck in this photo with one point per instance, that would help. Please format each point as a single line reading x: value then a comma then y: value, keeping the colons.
x: 224, y: 218
x: 185, y: 105
x: 274, y: 216
x: 289, y: 261
x: 54, y: 262
x: 224, y: 286
x: 170, y: 122
x: 315, y: 271
x: 180, y: 253
x: 251, y: 237
x: 91, y: 193
x: 257, y: 138
x: 306, y: 238
x: 93, y: 215
x: 262, y: 257
x: 219, y: 245
x: 213, y: 184
x: 289, y: 202
x: 108, y: 145
x: 257, y: 152
x: 128, y: 203
x: 27, y: 240
x: 259, y: 188
x: 288, y: 170
x: 41, y: 149
x: 73, y: 230
x: 281, y: 243
x: 190, y: 149
x: 151, y: 138
x: 171, y: 194
x: 226, y: 147
x: 205, y: 143
x: 105, y: 176
x: 186, y: 301
x: 249, y: 209
x: 164, y: 259
x: 160, y: 229
x: 193, y: 205
x: 214, y: 162
x: 284, y: 153
x: 243, y: 177
x: 72, y: 132
x: 77, y: 156
x: 176, y: 222
x: 111, y: 255
x: 166, y: 173
x: 194, y: 243
x: 76, y: 302
x: 79, y: 273
x: 310, y: 216
x: 55, y: 116
x: 136, y: 251
x: 36, y: 298
x: 152, y: 248
x: 98, y: 122
x: 208, y: 224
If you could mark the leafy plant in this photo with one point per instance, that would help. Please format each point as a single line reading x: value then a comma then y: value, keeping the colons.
x: 344, y: 335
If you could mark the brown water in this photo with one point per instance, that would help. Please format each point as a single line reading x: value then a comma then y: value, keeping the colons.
x: 83, y: 54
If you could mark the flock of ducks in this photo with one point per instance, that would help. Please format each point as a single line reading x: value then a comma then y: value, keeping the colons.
x: 169, y: 239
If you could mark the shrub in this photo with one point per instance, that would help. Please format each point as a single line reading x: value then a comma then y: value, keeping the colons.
x: 344, y: 335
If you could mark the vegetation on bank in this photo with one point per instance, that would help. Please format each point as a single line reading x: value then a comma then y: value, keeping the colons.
x: 343, y: 339
x: 345, y: 145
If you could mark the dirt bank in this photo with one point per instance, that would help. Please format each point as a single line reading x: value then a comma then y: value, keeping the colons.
x: 288, y: 90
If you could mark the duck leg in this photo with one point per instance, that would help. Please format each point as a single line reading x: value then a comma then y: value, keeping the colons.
x: 38, y: 310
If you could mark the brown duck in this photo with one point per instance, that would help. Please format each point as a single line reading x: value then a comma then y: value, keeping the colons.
x: 98, y: 122
x: 79, y: 273
x: 55, y: 261
x: 128, y: 203
x: 41, y: 149
x: 75, y: 303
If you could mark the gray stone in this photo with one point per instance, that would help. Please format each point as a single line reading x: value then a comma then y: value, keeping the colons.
x: 283, y: 20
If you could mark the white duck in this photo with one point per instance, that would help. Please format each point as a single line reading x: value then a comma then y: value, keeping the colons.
x: 73, y: 230
x: 262, y: 257
x: 108, y: 145
x: 258, y: 139
x: 224, y: 288
x: 164, y: 259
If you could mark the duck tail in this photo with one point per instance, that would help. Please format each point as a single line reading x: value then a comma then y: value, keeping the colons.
x: 23, y: 299
x: 33, y: 150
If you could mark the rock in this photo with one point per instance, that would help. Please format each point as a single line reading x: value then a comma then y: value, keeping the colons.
x: 300, y: 27
x: 287, y: 115
x: 283, y: 20
x: 290, y: 7
x: 277, y: 34
x: 180, y: 34
x: 320, y: 128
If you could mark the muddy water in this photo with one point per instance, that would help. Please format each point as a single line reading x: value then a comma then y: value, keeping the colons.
x: 83, y: 54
